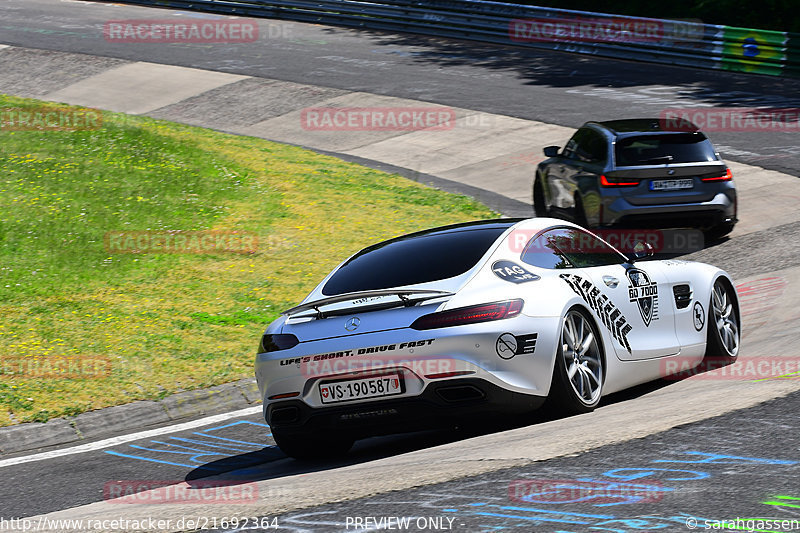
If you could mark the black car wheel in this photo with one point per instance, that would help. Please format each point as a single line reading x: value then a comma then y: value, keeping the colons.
x: 579, y: 216
x: 579, y: 367
x: 539, y: 205
x: 723, y: 335
x: 717, y: 232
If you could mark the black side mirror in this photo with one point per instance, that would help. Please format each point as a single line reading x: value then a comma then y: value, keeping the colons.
x: 641, y: 250
x: 551, y: 151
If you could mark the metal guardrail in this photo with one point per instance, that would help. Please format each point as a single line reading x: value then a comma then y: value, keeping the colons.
x: 676, y: 42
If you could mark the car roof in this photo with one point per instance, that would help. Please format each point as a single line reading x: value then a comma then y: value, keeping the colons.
x: 456, y: 228
x: 528, y: 224
x: 645, y: 125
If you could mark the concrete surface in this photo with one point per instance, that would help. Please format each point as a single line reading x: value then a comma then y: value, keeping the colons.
x: 128, y: 417
x: 140, y: 87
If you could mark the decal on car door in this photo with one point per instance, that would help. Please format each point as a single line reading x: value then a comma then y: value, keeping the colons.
x: 612, y: 317
x: 644, y: 293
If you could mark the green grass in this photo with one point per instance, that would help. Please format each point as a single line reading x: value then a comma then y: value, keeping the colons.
x: 163, y: 322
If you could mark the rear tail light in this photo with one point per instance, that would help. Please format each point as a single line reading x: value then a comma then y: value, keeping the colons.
x: 725, y: 177
x: 449, y: 374
x: 276, y: 343
x: 469, y: 315
x: 284, y: 396
x: 617, y: 182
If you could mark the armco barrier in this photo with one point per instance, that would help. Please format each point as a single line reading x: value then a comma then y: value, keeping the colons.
x: 677, y: 42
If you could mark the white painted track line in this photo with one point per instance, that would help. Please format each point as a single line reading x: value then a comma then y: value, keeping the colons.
x: 122, y: 439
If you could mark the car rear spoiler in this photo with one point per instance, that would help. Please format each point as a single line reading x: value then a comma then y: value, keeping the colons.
x: 403, y: 295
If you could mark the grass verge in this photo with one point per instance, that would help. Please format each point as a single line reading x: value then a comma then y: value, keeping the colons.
x: 86, y: 324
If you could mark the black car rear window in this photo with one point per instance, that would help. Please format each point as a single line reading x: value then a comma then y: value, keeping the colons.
x: 417, y: 258
x: 663, y: 149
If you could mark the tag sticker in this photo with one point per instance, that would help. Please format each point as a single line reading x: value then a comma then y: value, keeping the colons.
x: 510, y: 271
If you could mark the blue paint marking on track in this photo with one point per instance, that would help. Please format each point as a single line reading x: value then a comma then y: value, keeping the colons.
x: 537, y: 510
x: 238, y: 422
x: 223, y: 447
x: 572, y: 517
x: 205, y: 432
x: 649, y: 472
x: 532, y: 518
x: 111, y: 452
x: 219, y: 447
x: 714, y: 458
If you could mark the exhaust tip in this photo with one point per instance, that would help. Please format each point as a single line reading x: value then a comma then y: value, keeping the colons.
x: 460, y: 393
x: 284, y: 415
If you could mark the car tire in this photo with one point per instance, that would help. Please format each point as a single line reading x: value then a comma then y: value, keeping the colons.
x: 581, y: 391
x: 306, y: 447
x: 539, y: 204
x: 717, y: 232
x: 580, y: 213
x: 724, y: 323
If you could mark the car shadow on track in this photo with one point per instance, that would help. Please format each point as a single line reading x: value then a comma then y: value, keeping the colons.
x: 271, y: 463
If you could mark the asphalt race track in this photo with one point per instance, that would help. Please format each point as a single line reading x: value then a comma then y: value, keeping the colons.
x: 551, y: 87
x: 668, y: 481
x: 711, y: 447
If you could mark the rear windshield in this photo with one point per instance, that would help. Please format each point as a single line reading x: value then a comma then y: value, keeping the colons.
x: 663, y: 149
x: 417, y: 258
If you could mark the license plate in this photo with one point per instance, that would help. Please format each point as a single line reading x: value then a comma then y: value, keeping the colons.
x: 671, y: 185
x: 356, y: 389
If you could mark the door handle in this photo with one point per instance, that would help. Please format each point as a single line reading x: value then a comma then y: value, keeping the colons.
x: 611, y: 281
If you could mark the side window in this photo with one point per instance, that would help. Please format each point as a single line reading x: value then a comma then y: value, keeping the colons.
x: 596, y: 148
x: 544, y: 251
x: 575, y: 144
x: 569, y: 248
x: 592, y: 148
x: 585, y: 250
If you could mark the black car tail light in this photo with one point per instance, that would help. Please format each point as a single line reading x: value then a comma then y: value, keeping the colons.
x: 728, y: 176
x: 276, y: 343
x: 617, y: 182
x: 469, y: 315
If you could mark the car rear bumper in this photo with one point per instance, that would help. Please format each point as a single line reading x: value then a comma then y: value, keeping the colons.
x: 441, y: 403
x: 702, y: 215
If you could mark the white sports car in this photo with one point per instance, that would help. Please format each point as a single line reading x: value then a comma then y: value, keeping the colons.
x: 479, y: 318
